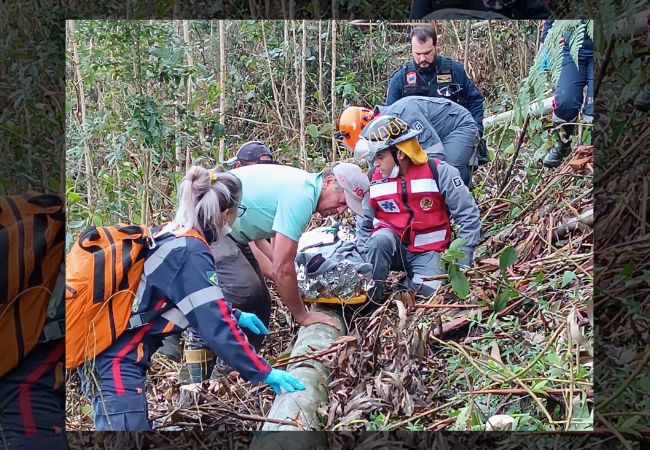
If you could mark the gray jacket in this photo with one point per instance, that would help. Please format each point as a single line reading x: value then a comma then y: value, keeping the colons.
x: 460, y: 204
x: 438, y: 117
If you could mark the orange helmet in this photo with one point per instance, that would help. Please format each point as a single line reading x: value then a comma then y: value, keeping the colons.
x: 351, y: 122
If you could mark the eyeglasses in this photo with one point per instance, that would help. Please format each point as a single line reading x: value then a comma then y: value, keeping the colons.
x: 241, y: 209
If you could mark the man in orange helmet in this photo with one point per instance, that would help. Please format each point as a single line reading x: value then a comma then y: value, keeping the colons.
x: 448, y: 130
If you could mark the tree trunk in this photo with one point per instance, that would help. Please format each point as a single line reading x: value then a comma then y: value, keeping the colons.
x: 468, y: 32
x: 178, y: 151
x: 286, y: 55
x: 276, y: 95
x: 320, y: 63
x: 81, y: 111
x: 195, y: 109
x: 292, y: 9
x: 333, y: 81
x: 303, y: 94
x: 301, y: 406
x: 222, y: 87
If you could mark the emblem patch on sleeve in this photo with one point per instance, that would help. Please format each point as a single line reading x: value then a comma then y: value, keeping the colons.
x: 212, y: 276
x: 457, y: 182
x: 426, y: 203
x: 389, y: 206
x: 412, y: 78
x: 417, y: 125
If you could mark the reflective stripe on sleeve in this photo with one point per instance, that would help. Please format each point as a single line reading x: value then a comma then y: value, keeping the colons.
x: 176, y: 317
x: 156, y: 259
x: 198, y: 298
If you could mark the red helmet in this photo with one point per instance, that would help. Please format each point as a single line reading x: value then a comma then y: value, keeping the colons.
x: 351, y: 122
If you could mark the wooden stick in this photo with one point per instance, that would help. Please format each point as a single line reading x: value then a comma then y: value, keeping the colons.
x: 515, y: 391
x: 446, y: 305
x: 520, y: 141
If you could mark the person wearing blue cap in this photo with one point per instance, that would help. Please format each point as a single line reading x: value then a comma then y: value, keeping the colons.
x: 251, y: 152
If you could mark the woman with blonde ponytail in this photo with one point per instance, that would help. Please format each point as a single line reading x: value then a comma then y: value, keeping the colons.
x: 179, y: 289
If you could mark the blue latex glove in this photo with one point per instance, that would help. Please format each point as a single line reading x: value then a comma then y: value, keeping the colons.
x: 466, y: 262
x: 279, y: 379
x: 544, y: 63
x: 252, y: 322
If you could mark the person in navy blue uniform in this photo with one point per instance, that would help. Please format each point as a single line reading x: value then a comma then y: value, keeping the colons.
x: 569, y: 97
x: 430, y: 74
x: 32, y: 396
x: 479, y: 9
x: 180, y: 286
x: 32, y: 387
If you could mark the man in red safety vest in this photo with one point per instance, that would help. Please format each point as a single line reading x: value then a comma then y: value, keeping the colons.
x: 409, y: 207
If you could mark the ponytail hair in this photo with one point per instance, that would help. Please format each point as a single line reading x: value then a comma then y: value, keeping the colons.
x: 204, y: 195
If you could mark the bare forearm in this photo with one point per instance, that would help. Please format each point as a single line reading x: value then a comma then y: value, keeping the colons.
x: 266, y: 265
x: 287, y: 287
x: 265, y: 247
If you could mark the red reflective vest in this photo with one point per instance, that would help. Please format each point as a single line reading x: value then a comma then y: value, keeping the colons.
x: 413, y: 208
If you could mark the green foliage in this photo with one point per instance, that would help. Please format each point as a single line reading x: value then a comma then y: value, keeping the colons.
x: 31, y: 114
x: 152, y: 101
x: 507, y: 258
x: 449, y: 258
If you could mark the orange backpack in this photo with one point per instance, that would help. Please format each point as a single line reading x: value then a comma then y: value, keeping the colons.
x: 32, y: 237
x: 103, y: 272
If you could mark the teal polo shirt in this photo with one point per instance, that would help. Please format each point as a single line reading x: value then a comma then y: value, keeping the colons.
x: 278, y: 199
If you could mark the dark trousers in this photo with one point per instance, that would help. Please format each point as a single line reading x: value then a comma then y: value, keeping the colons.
x: 242, y: 282
x: 32, y: 401
x: 569, y: 96
x: 116, y: 382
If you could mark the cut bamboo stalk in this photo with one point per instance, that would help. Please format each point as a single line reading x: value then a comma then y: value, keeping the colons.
x: 533, y: 109
x: 301, y: 406
x: 584, y: 219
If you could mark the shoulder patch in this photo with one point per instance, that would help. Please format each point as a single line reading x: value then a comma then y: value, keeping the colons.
x: 411, y: 78
x: 457, y: 182
x: 212, y: 276
x: 417, y: 125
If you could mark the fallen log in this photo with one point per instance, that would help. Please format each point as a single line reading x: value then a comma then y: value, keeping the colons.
x: 533, y: 109
x: 301, y: 406
x: 584, y: 219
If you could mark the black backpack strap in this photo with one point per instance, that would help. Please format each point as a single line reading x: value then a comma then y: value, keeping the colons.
x: 434, y: 169
x: 409, y: 66
x: 446, y: 66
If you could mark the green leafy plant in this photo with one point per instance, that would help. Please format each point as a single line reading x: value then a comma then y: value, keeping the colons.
x: 505, y: 290
x: 450, y: 258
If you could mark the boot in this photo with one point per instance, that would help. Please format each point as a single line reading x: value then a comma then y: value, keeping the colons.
x: 171, y: 347
x: 642, y: 100
x: 555, y: 155
x: 199, y: 359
